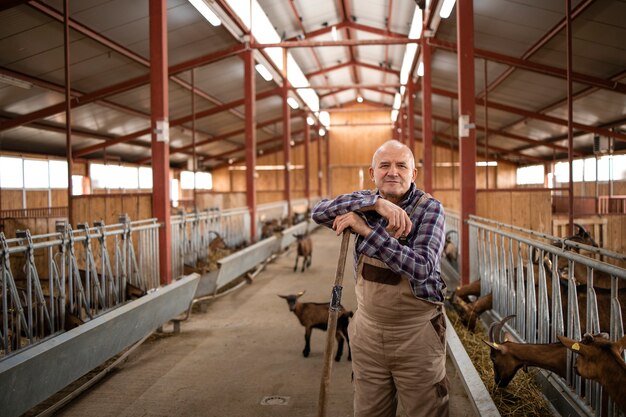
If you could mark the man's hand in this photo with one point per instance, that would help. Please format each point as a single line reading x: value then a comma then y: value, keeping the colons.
x: 399, y: 222
x: 351, y: 221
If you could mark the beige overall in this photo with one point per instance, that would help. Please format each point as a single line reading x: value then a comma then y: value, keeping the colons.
x: 398, y: 347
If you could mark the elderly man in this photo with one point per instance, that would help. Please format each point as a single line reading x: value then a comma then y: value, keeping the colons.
x: 398, y: 332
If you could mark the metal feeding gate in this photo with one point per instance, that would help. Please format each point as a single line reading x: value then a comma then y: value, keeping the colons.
x: 64, y: 296
x: 515, y: 265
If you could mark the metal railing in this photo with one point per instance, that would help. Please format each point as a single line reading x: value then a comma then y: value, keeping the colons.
x: 53, y: 282
x: 537, y: 281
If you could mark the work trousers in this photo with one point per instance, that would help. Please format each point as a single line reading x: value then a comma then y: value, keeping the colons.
x: 398, y: 351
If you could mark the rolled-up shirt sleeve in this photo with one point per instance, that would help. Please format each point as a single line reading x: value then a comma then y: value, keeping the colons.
x: 325, y: 211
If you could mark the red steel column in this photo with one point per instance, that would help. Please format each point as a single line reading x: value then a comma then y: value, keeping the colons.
x: 159, y: 126
x: 319, y: 165
x: 467, y: 132
x: 286, y: 136
x: 68, y: 110
x: 427, y: 120
x: 570, y: 115
x: 250, y: 114
x: 411, y: 114
x: 328, y: 173
x: 401, y: 124
x: 307, y: 161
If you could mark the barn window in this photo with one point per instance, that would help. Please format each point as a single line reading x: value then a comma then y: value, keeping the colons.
x: 58, y: 174
x: 187, y: 180
x: 204, y: 180
x: 36, y: 174
x: 9, y: 169
x: 530, y: 175
x: 145, y: 178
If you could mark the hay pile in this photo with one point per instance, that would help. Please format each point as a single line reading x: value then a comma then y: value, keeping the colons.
x: 522, y: 397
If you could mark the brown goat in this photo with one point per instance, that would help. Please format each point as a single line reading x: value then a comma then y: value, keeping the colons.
x: 305, y: 249
x: 601, y: 360
x: 315, y: 316
x: 508, y: 357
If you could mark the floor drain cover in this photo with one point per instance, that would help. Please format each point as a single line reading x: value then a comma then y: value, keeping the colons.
x: 275, y: 400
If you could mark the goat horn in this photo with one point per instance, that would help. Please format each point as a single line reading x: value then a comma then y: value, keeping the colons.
x: 496, y: 328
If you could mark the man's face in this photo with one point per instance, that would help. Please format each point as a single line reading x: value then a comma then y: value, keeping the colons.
x: 393, y: 172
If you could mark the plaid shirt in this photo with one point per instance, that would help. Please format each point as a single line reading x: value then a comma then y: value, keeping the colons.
x: 417, y: 258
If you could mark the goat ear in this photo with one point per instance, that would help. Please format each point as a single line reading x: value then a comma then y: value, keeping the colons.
x: 508, y: 337
x: 282, y: 296
x: 301, y: 293
x: 494, y: 346
x: 573, y: 345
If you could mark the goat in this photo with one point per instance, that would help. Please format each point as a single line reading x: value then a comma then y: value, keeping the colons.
x: 305, y: 249
x: 508, y: 357
x: 315, y: 316
x: 601, y: 360
x: 450, y: 249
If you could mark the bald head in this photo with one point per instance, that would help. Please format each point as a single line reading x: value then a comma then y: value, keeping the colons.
x: 393, y: 170
x: 396, y: 145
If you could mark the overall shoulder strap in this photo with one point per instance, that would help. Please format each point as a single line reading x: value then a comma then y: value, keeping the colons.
x: 423, y: 198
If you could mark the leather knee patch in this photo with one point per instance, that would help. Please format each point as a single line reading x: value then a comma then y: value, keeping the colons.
x: 442, y: 387
x: 439, y: 324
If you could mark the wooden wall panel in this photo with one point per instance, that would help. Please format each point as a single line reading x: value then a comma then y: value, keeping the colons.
x: 11, y: 199
x: 450, y: 199
x: 355, y: 136
x: 59, y: 198
x: 348, y: 179
x: 616, y: 236
x: 540, y: 211
x: 36, y: 198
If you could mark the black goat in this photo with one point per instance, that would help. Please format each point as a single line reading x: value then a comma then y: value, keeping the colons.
x: 315, y: 316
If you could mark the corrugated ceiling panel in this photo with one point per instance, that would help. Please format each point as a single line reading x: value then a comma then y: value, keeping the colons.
x: 314, y: 13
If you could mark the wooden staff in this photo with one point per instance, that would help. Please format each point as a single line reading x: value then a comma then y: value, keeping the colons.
x: 333, y: 313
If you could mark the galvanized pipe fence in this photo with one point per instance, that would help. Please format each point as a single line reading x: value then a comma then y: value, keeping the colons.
x: 56, y: 281
x: 192, y: 233
x: 52, y: 282
x: 538, y: 281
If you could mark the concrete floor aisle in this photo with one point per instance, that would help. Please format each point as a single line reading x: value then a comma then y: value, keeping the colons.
x: 245, y: 347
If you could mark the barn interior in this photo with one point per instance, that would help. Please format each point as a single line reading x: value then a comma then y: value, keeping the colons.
x: 177, y: 119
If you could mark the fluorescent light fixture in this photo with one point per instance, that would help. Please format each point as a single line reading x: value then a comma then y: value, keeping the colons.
x: 254, y: 18
x: 397, y: 101
x: 420, y: 69
x: 446, y: 9
x: 359, y: 99
x: 310, y: 121
x: 333, y: 33
x: 488, y: 164
x: 394, y: 115
x: 292, y: 103
x: 416, y: 25
x: 204, y: 10
x: 324, y: 118
x: 402, y: 90
x: 321, y: 132
x: 5, y: 79
x: 260, y: 68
